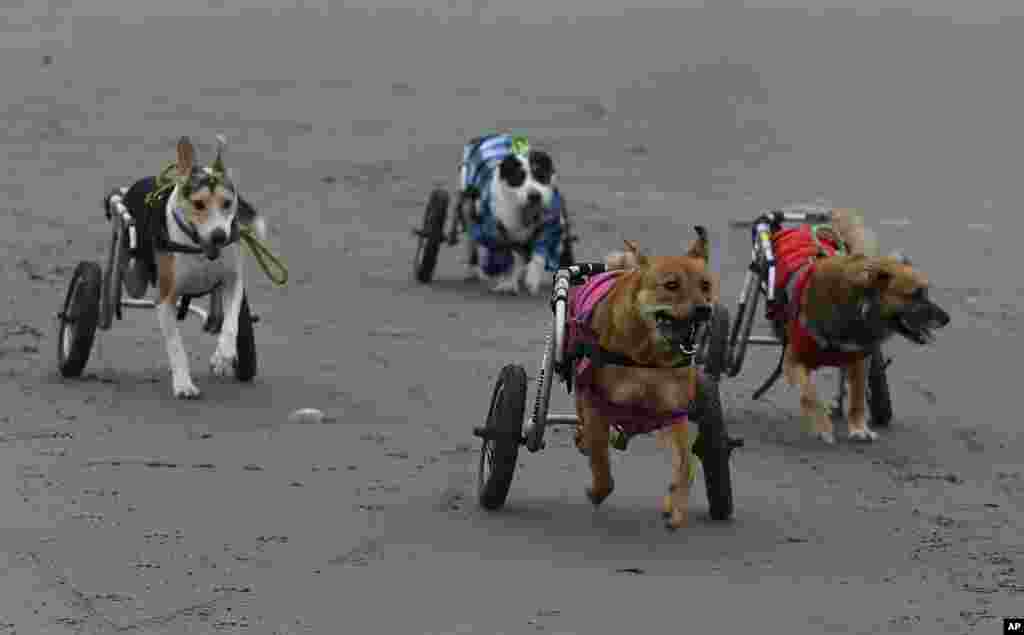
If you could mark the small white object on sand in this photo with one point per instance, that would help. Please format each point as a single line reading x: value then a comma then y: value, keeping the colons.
x: 306, y: 415
x: 895, y: 222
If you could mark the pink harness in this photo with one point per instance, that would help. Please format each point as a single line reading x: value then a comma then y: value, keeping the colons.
x: 630, y: 419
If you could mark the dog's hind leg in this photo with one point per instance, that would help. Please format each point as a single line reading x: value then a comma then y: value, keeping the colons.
x: 224, y: 358
x: 215, y: 318
x: 166, y: 311
x: 856, y: 374
x: 812, y: 411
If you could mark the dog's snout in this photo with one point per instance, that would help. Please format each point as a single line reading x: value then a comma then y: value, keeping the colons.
x: 219, y: 237
x: 702, y: 312
x: 534, y: 198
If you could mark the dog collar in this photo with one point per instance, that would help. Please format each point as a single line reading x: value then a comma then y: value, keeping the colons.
x: 185, y: 226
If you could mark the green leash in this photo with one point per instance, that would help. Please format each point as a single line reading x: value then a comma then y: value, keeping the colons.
x: 271, y: 265
x: 268, y: 262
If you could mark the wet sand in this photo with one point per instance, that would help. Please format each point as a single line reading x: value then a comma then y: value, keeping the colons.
x: 124, y: 509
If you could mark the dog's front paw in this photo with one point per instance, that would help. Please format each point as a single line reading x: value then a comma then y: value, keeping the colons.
x: 865, y: 434
x: 506, y: 287
x: 597, y: 495
x: 533, y: 280
x: 185, y: 389
x: 677, y: 519
x: 213, y: 323
x: 674, y: 506
x: 222, y: 362
x: 826, y: 436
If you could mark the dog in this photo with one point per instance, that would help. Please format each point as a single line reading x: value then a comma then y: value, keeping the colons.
x: 515, y: 230
x: 188, y: 221
x: 840, y: 307
x: 640, y: 320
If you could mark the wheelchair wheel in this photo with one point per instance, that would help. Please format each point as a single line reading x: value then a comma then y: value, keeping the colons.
x: 713, y: 447
x: 567, y: 258
x: 245, y: 344
x: 715, y: 350
x: 878, y: 397
x: 79, y: 318
x: 430, y: 236
x: 502, y: 434
x: 746, y: 315
x: 113, y: 275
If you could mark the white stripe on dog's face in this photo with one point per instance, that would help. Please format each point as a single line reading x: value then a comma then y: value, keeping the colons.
x: 212, y: 209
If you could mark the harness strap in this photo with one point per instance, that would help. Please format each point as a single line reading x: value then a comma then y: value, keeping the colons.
x: 601, y: 356
x: 826, y: 344
x: 634, y: 411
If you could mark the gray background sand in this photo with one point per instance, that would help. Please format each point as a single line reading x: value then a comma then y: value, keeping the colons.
x: 659, y: 118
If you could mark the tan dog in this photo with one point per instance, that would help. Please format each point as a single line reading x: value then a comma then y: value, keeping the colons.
x: 852, y: 302
x: 646, y: 320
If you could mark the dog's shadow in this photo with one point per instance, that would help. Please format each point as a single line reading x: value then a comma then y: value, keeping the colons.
x: 478, y: 292
x: 569, y: 532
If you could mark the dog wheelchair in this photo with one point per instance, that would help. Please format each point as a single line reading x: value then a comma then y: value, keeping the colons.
x: 506, y: 427
x: 431, y: 234
x: 95, y: 296
x: 760, y: 281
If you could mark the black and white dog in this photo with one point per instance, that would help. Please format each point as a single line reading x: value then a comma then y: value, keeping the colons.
x: 516, y: 231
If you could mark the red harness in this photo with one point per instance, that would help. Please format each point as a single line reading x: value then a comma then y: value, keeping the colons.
x: 796, y: 251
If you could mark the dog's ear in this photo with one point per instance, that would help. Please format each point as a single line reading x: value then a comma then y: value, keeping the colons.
x: 640, y: 256
x: 186, y: 156
x: 701, y: 247
x: 218, y: 163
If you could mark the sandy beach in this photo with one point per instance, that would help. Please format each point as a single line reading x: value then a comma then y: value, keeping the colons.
x: 125, y: 510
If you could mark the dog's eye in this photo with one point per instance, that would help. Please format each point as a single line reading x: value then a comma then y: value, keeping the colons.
x: 227, y: 204
x: 542, y: 167
x: 672, y: 285
x: 705, y: 286
x: 512, y: 172
x: 199, y: 205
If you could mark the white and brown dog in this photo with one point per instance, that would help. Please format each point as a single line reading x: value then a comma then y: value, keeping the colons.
x: 188, y: 247
x: 515, y: 233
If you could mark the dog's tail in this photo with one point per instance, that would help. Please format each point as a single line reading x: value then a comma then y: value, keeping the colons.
x: 859, y: 239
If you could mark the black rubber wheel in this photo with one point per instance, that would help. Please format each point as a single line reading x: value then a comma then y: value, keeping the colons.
x: 745, y: 319
x: 79, y: 318
x: 716, y: 344
x: 430, y: 236
x: 566, y: 258
x: 878, y: 397
x: 713, y: 448
x: 245, y: 344
x: 110, y: 296
x: 503, y: 433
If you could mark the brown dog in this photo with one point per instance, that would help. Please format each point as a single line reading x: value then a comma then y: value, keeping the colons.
x: 641, y: 316
x: 843, y: 307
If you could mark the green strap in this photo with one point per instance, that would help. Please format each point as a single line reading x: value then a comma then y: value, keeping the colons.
x: 842, y: 251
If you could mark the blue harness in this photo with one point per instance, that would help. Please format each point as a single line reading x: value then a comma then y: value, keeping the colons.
x: 480, y: 157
